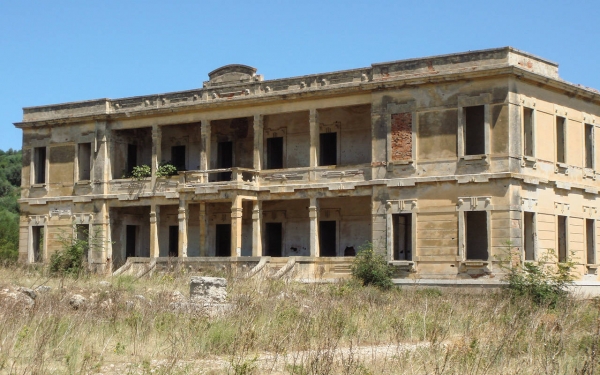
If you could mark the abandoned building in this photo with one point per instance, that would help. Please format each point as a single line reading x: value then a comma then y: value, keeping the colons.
x: 442, y: 163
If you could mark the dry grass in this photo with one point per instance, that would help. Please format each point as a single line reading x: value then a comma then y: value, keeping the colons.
x: 280, y: 327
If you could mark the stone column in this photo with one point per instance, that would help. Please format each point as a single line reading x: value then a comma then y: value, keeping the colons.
x: 156, y: 150
x: 183, y: 224
x: 205, y: 151
x: 154, y: 225
x: 314, y: 137
x: 99, y: 239
x: 236, y: 227
x: 203, y: 231
x: 257, y: 228
x: 313, y: 215
x: 258, y: 141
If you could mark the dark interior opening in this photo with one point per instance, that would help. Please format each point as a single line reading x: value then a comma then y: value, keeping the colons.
x: 130, y: 240
x: 590, y: 234
x: 173, y: 240
x: 475, y: 130
x: 131, y: 157
x: 84, y: 158
x: 275, y: 153
x: 402, y: 229
x: 589, y: 146
x: 223, y: 240
x: 328, y: 149
x: 327, y: 238
x: 529, y: 229
x: 560, y: 139
x: 38, y: 243
x: 562, y: 238
x: 40, y: 165
x: 224, y: 159
x: 528, y: 131
x: 476, y: 235
x: 274, y: 239
x: 178, y: 157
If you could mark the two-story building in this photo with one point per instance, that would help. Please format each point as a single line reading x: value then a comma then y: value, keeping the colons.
x: 442, y: 163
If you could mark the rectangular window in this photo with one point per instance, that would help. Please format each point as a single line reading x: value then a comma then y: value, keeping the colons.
x: 37, y: 243
x: 131, y: 240
x: 562, y: 238
x: 528, y: 125
x: 589, y: 146
x: 474, y: 130
x: 328, y: 149
x: 275, y: 153
x: 132, y: 153
x: 560, y: 140
x: 590, y: 234
x: 327, y: 238
x: 476, y: 233
x: 402, y: 236
x: 529, y: 234
x: 274, y: 239
x: 178, y: 157
x: 39, y: 165
x: 84, y: 161
x: 173, y: 240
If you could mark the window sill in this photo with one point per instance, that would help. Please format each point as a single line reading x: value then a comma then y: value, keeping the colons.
x: 38, y: 186
x: 529, y: 161
x: 475, y: 263
x: 83, y: 182
x: 561, y: 168
x: 474, y: 157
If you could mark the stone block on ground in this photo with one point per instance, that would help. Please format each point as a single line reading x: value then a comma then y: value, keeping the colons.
x: 208, y: 289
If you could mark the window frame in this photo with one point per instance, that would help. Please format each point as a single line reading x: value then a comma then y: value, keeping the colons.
x: 474, y: 101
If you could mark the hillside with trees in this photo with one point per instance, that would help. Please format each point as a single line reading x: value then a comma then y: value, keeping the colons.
x: 10, y: 182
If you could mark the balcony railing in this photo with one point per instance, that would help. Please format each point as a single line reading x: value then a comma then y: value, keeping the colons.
x: 220, y: 175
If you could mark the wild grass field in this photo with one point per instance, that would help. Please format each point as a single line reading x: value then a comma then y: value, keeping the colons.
x: 129, y: 326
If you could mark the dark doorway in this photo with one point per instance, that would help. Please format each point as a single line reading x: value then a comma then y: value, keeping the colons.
x: 562, y: 239
x: 131, y: 157
x: 402, y: 236
x: 38, y: 243
x: 476, y: 234
x: 178, y: 157
x: 223, y: 240
x: 173, y: 240
x: 224, y: 159
x: 275, y: 153
x: 327, y: 238
x: 475, y: 130
x: 328, y: 149
x: 130, y: 240
x: 274, y: 239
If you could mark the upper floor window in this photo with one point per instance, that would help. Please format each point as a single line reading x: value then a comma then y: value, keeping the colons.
x: 561, y: 139
x: 528, y: 132
x: 39, y: 165
x: 474, y: 131
x: 328, y: 148
x: 589, y: 146
x: 275, y: 153
x: 84, y: 161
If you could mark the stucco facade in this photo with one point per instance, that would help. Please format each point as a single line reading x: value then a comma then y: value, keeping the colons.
x: 442, y: 163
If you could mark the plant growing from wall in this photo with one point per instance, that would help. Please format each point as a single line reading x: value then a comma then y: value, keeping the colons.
x: 141, y: 172
x: 166, y: 169
x: 371, y: 268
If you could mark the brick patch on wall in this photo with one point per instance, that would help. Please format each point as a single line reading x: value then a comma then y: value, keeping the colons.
x: 402, y: 136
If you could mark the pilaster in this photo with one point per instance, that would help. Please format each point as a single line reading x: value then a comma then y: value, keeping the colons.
x: 313, y: 215
x: 257, y: 228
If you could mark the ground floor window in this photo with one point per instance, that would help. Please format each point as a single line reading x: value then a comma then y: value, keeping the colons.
x: 402, y: 232
x: 476, y: 233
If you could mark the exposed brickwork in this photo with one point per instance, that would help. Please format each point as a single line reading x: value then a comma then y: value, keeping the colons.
x: 402, y: 136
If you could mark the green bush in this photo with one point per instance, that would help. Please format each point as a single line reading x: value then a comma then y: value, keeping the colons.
x: 71, y: 259
x: 140, y: 172
x: 165, y: 170
x: 371, y: 268
x: 544, y: 282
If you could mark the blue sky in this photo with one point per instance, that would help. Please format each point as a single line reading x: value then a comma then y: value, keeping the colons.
x: 62, y: 51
